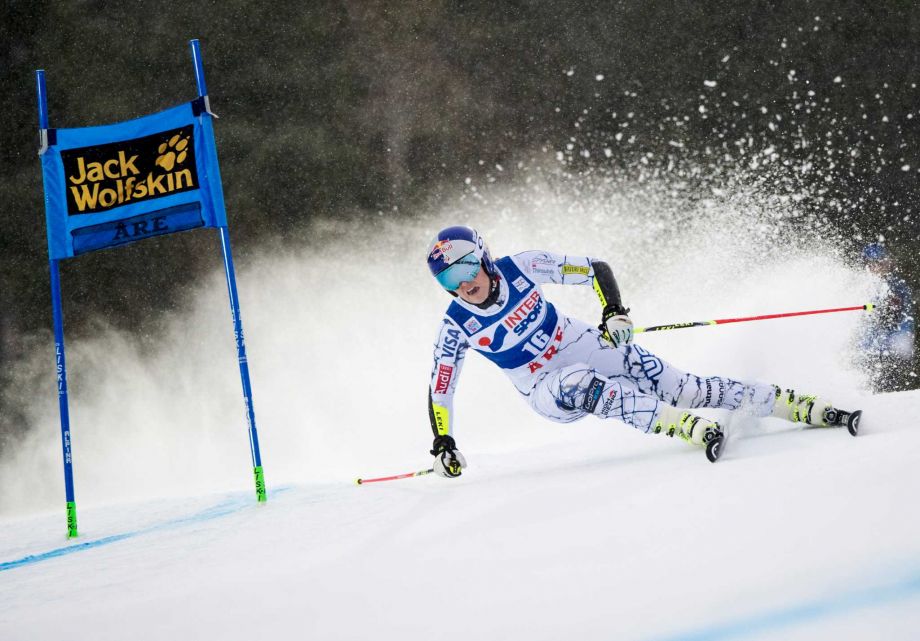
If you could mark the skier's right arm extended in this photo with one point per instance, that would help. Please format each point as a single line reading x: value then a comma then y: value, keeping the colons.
x: 449, y: 352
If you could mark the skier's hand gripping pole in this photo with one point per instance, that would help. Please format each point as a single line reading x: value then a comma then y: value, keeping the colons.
x: 616, y: 326
x: 448, y: 461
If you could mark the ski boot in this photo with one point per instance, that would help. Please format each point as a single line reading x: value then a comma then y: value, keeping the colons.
x: 692, y: 428
x: 813, y: 410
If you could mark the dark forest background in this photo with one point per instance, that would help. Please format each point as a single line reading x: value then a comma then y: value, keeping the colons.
x: 350, y: 107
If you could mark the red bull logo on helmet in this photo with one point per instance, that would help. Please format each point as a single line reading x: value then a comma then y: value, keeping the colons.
x: 440, y: 249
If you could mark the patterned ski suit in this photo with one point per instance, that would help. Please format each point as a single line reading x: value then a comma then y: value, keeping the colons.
x: 562, y: 366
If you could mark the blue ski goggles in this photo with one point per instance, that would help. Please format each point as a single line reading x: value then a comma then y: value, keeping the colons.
x: 463, y: 271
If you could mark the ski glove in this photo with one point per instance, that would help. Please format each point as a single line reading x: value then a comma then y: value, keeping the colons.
x: 616, y: 327
x: 448, y: 461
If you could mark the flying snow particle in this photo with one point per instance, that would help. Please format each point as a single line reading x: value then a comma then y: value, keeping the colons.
x: 608, y: 152
x: 570, y: 72
x: 725, y: 59
x: 710, y: 83
x: 838, y: 80
x: 599, y: 77
x: 905, y: 167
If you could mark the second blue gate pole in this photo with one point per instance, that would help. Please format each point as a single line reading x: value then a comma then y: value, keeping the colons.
x: 244, y: 364
x: 234, y: 305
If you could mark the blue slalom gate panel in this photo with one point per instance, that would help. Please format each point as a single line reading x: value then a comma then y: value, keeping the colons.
x: 110, y: 185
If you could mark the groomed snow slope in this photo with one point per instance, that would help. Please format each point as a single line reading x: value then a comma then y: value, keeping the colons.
x: 607, y: 534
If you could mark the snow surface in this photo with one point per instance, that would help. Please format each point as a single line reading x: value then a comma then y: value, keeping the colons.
x: 588, y: 531
x: 606, y: 534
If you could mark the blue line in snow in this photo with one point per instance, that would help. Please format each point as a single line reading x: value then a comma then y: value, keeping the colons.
x: 839, y: 605
x: 216, y: 511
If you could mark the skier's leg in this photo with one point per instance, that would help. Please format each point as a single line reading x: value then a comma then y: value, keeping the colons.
x: 643, y: 373
x: 683, y: 389
x: 653, y: 375
x: 572, y: 392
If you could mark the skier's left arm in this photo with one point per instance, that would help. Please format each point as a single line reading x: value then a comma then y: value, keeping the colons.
x: 566, y: 269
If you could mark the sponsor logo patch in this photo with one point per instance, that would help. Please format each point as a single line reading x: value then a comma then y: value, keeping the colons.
x: 595, y: 389
x: 520, y: 283
x: 472, y: 325
x: 445, y: 372
x: 525, y: 313
x: 440, y: 248
x: 608, y: 404
x: 450, y: 343
x: 114, y: 174
x: 575, y: 269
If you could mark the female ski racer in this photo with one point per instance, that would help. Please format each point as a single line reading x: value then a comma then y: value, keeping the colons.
x: 566, y: 369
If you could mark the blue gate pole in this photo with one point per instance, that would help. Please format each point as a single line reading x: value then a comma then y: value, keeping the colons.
x: 234, y: 305
x: 57, y: 310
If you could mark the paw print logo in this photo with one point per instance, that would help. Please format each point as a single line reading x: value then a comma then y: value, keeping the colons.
x: 172, y: 152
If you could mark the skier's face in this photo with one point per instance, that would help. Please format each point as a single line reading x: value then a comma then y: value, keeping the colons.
x: 475, y: 291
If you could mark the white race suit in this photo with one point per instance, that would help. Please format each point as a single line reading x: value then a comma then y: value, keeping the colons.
x: 562, y: 366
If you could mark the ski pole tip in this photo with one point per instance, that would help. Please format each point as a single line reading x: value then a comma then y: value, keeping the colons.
x: 357, y: 481
x: 869, y: 307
